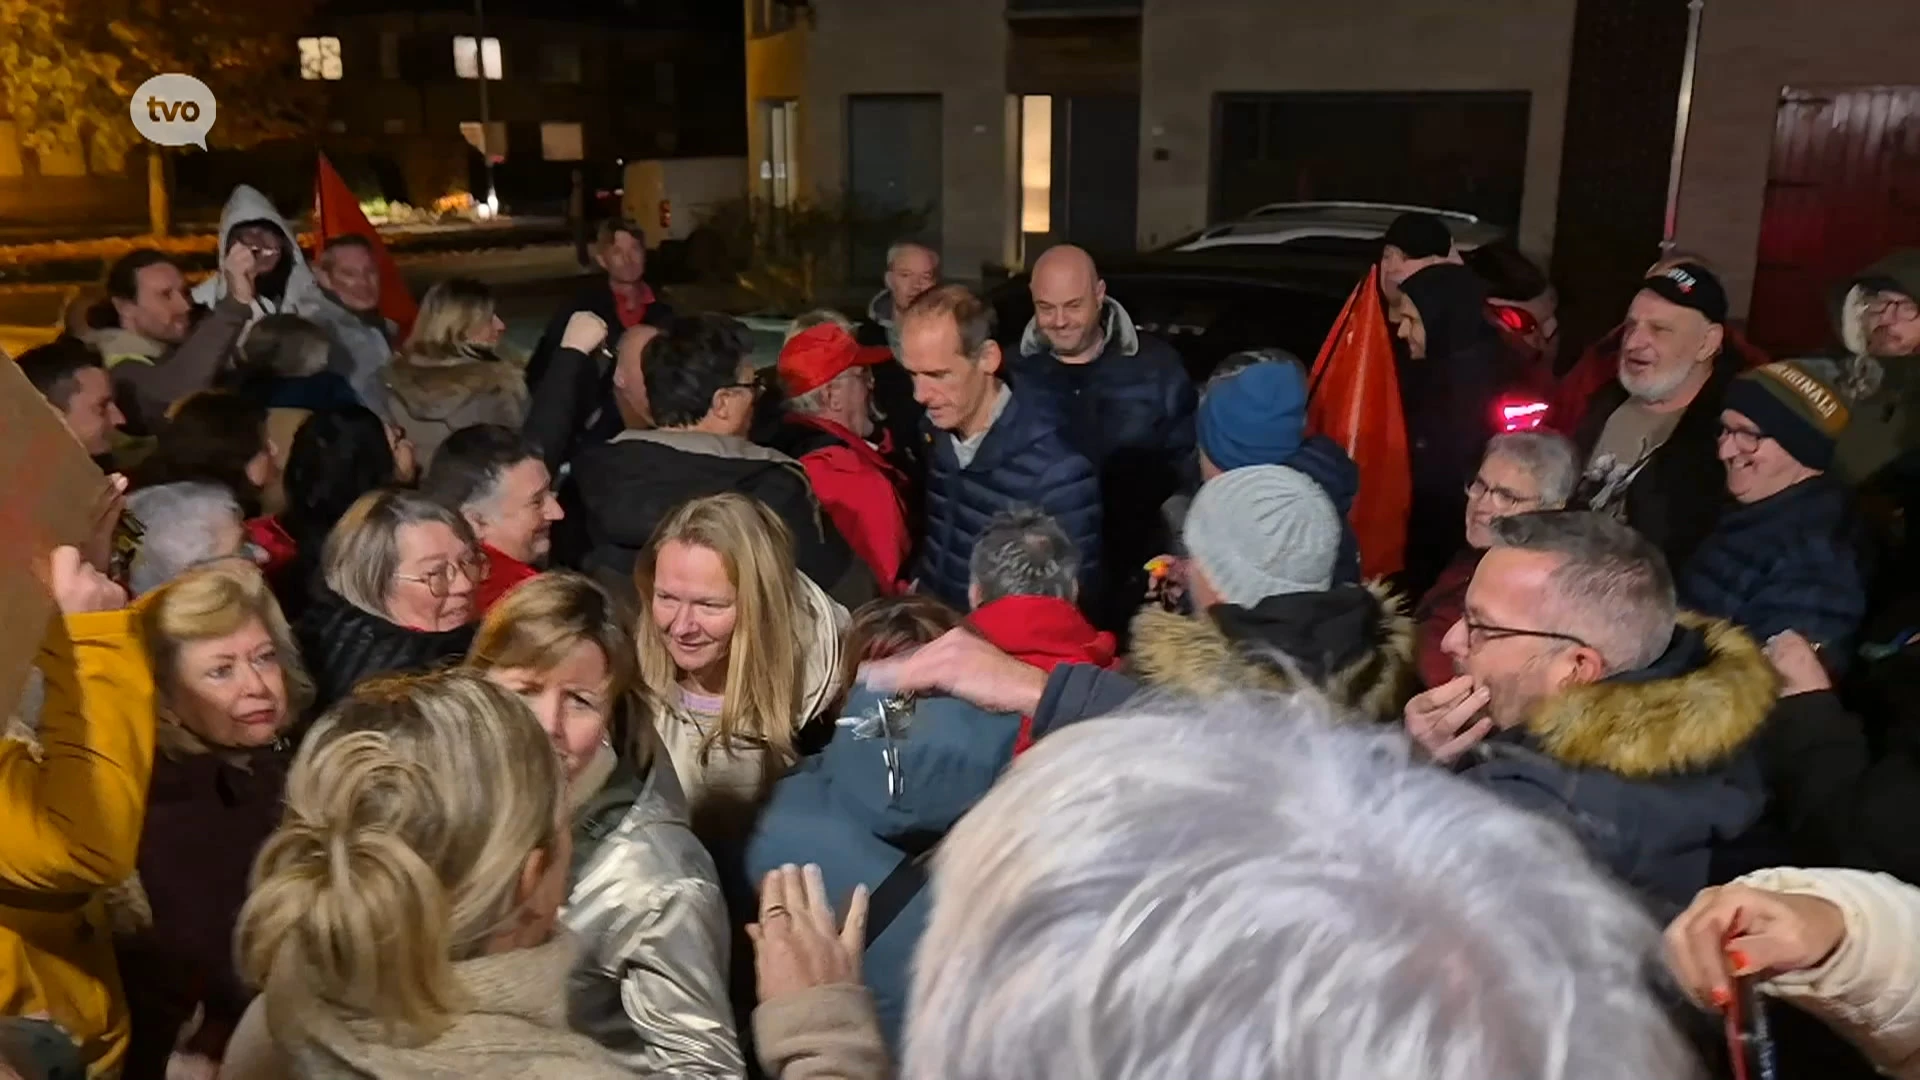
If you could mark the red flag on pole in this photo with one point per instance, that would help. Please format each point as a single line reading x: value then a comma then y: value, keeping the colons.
x: 1355, y: 401
x: 336, y: 213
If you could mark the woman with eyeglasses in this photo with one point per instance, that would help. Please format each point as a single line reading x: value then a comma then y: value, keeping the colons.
x: 451, y: 374
x: 643, y: 894
x: 395, y: 594
x: 228, y: 683
x: 1519, y: 473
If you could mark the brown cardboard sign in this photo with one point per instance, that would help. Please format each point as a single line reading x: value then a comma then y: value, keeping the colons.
x: 52, y: 495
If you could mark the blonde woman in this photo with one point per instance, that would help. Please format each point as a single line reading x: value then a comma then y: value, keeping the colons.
x: 404, y: 917
x: 227, y: 681
x: 398, y: 574
x: 644, y: 897
x: 738, y: 652
x: 448, y: 374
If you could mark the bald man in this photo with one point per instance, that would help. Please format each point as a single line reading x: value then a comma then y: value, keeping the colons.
x: 913, y: 269
x: 1125, y: 402
x: 629, y: 384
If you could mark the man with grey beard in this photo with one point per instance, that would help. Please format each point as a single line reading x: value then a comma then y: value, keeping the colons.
x: 1651, y: 438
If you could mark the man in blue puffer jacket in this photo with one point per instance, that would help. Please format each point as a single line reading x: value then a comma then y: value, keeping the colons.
x: 990, y: 449
x: 1124, y: 401
x: 842, y: 810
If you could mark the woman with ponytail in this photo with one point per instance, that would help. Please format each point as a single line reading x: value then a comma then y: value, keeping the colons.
x: 404, y: 917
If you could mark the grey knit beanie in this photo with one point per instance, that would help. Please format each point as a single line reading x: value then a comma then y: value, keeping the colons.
x: 1265, y: 530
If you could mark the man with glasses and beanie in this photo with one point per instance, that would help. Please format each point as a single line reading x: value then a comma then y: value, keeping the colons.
x: 1585, y: 694
x: 1788, y: 556
x: 701, y: 388
x: 830, y: 428
x: 1649, y: 439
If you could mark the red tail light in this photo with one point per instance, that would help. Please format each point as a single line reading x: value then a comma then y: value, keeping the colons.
x: 1514, y: 319
x: 1515, y: 415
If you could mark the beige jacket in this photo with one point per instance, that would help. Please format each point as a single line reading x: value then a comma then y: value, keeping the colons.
x: 433, y: 398
x: 1868, y: 991
x: 724, y: 791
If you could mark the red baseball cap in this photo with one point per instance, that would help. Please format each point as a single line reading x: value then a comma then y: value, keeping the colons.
x: 820, y: 355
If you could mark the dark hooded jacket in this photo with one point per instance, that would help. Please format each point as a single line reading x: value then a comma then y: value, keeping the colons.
x: 1654, y: 769
x: 1354, y: 642
x: 1449, y: 398
x: 622, y: 490
x: 1789, y: 562
x: 343, y: 645
x: 572, y: 401
x: 1677, y: 497
x: 834, y: 810
x: 893, y: 398
x: 1129, y: 411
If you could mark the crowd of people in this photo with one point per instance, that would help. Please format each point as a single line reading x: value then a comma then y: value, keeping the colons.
x: 957, y: 700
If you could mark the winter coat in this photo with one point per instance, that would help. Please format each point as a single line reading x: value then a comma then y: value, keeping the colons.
x: 1023, y: 461
x: 1436, y: 613
x: 893, y: 399
x: 835, y: 809
x: 503, y: 573
x: 1044, y: 631
x: 624, y: 489
x: 1449, y: 401
x: 510, y: 1024
x: 858, y: 487
x: 1789, y: 562
x: 725, y: 787
x: 1129, y: 411
x: 72, y: 816
x: 1883, y: 393
x: 149, y: 376
x: 362, y: 346
x: 651, y: 982
x: 1652, y: 769
x: 1354, y: 643
x: 1868, y: 991
x: 298, y: 291
x: 343, y: 645
x: 573, y: 405
x: 1599, y: 367
x: 433, y: 397
x: 1325, y: 463
x: 208, y: 815
x: 1678, y: 496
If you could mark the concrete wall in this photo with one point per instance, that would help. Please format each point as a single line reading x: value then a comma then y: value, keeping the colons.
x: 1193, y: 49
x: 957, y: 50
x: 1749, y: 51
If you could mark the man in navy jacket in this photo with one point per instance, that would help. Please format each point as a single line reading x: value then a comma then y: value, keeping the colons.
x: 990, y: 449
x: 1124, y: 401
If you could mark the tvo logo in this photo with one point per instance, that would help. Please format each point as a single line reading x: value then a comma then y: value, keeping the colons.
x: 173, y: 110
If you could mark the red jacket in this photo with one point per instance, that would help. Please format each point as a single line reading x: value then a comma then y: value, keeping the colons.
x: 1600, y: 365
x: 503, y: 573
x: 1046, y: 632
x: 1436, y: 613
x: 267, y: 534
x: 864, y: 496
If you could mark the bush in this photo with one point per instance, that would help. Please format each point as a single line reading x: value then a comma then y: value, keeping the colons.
x: 793, y: 256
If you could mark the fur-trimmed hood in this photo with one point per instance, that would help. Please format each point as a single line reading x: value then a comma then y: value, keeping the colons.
x: 1354, y: 642
x: 435, y: 388
x: 1690, y: 711
x: 1117, y: 326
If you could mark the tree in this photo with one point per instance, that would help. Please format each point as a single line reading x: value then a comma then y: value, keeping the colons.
x: 69, y: 68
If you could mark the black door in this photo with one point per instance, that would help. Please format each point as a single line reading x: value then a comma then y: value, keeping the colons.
x: 893, y: 175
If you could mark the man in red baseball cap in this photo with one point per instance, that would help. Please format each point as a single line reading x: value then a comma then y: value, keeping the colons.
x: 829, y: 428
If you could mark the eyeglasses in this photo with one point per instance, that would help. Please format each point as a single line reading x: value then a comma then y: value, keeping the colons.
x: 1900, y: 307
x: 439, y: 581
x: 752, y: 387
x: 1744, y: 440
x: 1503, y: 499
x: 1479, y: 633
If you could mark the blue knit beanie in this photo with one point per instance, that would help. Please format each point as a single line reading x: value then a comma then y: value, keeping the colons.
x: 1255, y: 417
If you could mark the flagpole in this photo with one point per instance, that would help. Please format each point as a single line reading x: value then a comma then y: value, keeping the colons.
x: 486, y: 127
x: 1683, y: 110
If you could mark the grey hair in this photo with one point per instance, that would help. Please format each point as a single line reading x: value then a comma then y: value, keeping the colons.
x: 362, y: 553
x: 1549, y: 458
x: 1612, y: 589
x: 1243, y: 888
x: 1024, y: 552
x: 817, y: 317
x: 181, y: 521
x: 901, y: 247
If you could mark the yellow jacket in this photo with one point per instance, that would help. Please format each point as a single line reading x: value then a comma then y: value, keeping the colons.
x: 71, y: 816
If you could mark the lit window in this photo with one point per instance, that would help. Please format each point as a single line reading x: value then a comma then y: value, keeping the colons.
x: 562, y: 142
x: 320, y: 58
x: 469, y: 54
x: 1036, y: 164
x: 492, y: 143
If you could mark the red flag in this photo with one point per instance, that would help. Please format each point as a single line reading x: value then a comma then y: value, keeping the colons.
x: 1355, y: 401
x: 336, y: 212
